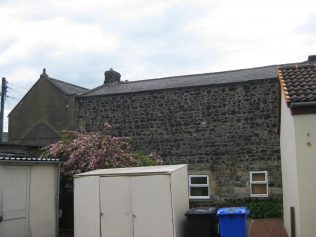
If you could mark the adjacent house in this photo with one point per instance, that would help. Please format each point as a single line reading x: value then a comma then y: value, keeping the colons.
x: 47, y: 108
x: 298, y: 147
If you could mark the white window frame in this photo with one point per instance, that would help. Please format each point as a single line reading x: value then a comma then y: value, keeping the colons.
x: 266, y: 182
x: 199, y: 186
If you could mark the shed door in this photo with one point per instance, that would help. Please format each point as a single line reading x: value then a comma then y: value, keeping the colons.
x: 14, y: 195
x: 115, y: 198
x: 151, y: 203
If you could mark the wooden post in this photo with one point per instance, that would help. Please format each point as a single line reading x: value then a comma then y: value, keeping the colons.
x: 3, y: 95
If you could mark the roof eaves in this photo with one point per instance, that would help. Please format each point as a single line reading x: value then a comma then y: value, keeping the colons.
x: 29, y: 159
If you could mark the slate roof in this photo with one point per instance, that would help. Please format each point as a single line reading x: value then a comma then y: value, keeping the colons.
x: 67, y: 88
x: 258, y: 73
x: 298, y: 82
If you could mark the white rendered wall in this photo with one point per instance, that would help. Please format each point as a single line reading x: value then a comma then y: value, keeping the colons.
x: 289, y: 167
x: 305, y: 133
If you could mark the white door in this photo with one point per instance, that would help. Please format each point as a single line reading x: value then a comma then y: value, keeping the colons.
x: 115, y: 199
x: 151, y: 203
x: 14, y: 201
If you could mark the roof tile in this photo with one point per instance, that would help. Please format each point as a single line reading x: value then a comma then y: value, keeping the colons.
x: 298, y: 82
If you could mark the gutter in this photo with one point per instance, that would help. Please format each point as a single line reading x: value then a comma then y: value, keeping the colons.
x: 302, y: 104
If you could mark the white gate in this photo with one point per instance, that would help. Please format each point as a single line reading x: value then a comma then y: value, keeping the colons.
x: 14, y: 200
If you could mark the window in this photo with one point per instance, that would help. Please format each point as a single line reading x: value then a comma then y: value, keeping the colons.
x: 199, y: 187
x: 259, y: 184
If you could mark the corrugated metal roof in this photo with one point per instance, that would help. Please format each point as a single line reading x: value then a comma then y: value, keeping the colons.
x: 28, y: 159
x: 241, y: 75
x: 162, y: 169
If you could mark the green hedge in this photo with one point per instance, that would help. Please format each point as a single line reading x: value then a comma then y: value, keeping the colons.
x: 259, y: 208
x: 265, y: 208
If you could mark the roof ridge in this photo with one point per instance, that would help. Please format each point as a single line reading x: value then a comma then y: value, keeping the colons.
x: 174, y: 77
x: 201, y: 74
x: 297, y: 66
x: 53, y: 79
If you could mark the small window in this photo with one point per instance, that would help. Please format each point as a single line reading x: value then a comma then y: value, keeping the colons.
x: 199, y: 187
x: 259, y: 184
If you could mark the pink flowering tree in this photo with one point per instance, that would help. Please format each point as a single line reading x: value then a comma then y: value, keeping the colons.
x: 84, y: 151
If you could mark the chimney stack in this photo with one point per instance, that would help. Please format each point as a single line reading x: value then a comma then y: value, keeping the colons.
x: 311, y: 59
x: 111, y: 76
x: 44, y: 74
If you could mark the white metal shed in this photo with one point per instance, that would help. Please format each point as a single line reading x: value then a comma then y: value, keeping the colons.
x: 29, y: 197
x: 131, y: 202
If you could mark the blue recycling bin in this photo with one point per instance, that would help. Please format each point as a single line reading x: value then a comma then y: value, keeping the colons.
x: 233, y: 221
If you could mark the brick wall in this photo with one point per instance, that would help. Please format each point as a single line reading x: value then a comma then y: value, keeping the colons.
x: 224, y: 130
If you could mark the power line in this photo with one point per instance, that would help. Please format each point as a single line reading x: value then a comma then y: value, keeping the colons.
x: 10, y: 97
x: 18, y: 86
x: 14, y: 91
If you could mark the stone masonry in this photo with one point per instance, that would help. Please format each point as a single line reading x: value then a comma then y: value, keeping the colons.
x: 223, y: 130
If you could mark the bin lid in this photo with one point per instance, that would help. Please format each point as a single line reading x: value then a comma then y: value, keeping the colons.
x: 233, y: 211
x: 201, y: 211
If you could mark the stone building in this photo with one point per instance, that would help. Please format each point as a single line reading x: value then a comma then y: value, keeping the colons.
x: 46, y: 109
x: 223, y: 125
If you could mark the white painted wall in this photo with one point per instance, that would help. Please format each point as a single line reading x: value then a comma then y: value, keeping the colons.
x: 42, y: 211
x: 298, y: 159
x: 289, y: 166
x: 305, y: 134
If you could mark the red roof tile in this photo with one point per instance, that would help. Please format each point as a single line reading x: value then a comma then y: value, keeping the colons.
x: 298, y: 83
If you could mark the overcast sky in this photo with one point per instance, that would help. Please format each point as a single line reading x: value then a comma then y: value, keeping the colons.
x: 77, y: 40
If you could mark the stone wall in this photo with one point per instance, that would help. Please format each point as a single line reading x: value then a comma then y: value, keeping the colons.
x: 224, y: 130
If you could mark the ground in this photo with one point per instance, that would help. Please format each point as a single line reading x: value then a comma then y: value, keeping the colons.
x: 257, y: 228
x: 267, y: 228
